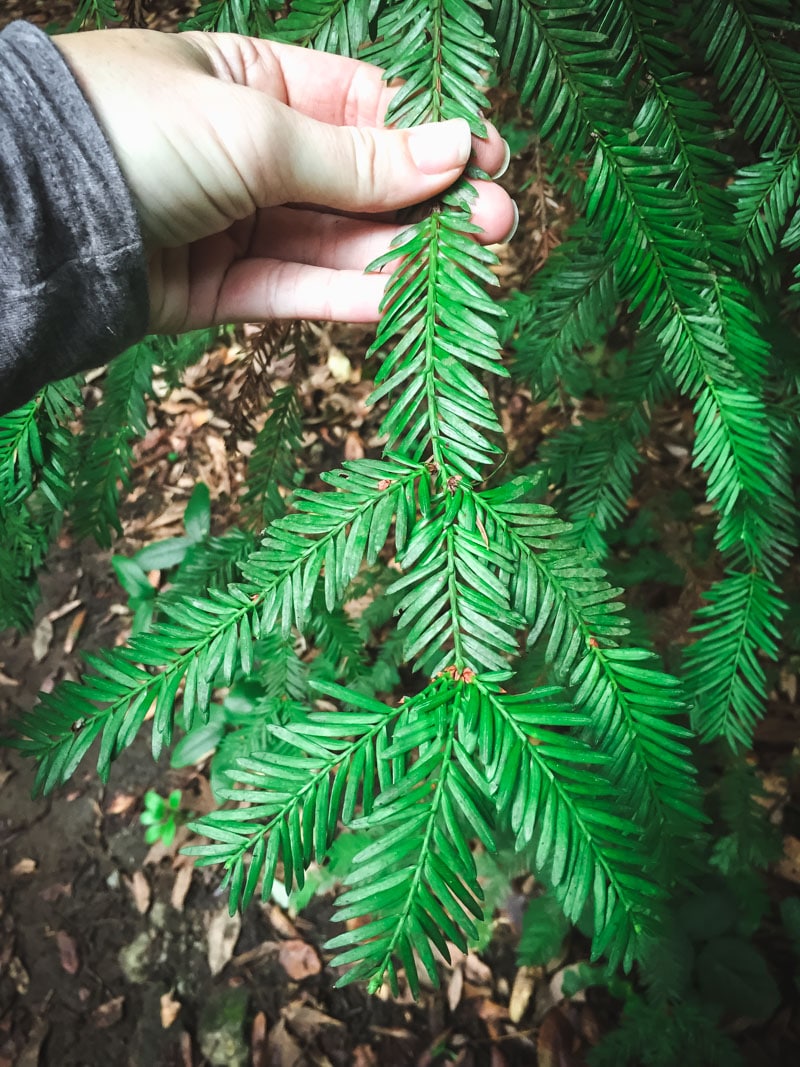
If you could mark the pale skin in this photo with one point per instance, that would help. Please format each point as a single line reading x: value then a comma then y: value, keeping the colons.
x: 263, y: 176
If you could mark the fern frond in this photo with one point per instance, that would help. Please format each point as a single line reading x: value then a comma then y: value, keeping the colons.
x: 202, y: 639
x: 592, y: 463
x: 756, y: 71
x: 273, y: 463
x: 209, y: 564
x: 109, y: 429
x: 552, y: 789
x: 568, y: 306
x: 441, y: 53
x: 629, y: 702
x: 340, y: 26
x: 417, y: 882
x: 38, y: 455
x: 437, y: 330
x: 250, y: 17
x: 293, y: 799
x: 723, y: 670
x: 455, y: 607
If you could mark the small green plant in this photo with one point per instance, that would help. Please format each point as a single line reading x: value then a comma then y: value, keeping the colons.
x: 161, y: 816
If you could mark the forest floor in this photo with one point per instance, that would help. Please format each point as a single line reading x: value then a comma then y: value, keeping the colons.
x: 113, y: 952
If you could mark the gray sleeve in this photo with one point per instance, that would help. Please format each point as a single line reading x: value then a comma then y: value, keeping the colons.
x: 73, y: 277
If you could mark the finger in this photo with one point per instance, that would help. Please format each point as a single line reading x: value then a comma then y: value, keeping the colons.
x: 331, y: 89
x: 350, y: 168
x: 258, y: 289
x: 315, y: 237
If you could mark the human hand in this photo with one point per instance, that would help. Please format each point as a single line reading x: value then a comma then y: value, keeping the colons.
x: 235, y: 147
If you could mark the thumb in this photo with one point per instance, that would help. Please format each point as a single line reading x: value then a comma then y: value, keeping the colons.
x: 359, y: 168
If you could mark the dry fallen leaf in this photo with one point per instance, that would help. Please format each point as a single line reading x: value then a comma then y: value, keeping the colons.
x: 557, y: 1043
x: 108, y: 1014
x: 186, y: 1050
x: 120, y: 803
x: 169, y: 1009
x: 521, y: 992
x: 180, y: 887
x: 223, y: 933
x: 18, y: 975
x: 56, y: 890
x: 339, y: 365
x: 363, y: 1056
x: 140, y: 891
x: 67, y: 952
x: 281, y: 923
x: 42, y: 639
x: 455, y: 988
x: 789, y: 866
x: 24, y: 866
x: 73, y: 631
x: 299, y: 959
x: 258, y: 1041
x: 475, y: 970
x: 282, y: 1049
x: 353, y: 446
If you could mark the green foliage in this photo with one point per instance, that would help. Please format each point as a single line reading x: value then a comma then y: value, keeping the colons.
x: 544, y: 928
x: 429, y: 652
x: 37, y: 465
x: 273, y: 463
x: 161, y: 816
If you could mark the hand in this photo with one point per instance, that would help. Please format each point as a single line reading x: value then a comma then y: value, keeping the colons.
x: 235, y: 147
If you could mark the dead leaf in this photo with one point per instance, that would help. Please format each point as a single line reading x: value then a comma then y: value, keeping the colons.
x: 223, y: 933
x: 255, y: 955
x: 120, y: 803
x: 282, y: 1049
x: 67, y: 952
x: 493, y: 1015
x: 24, y: 866
x: 73, y: 631
x: 475, y: 970
x: 557, y: 1044
x: 789, y: 866
x: 65, y: 609
x: 108, y: 1014
x: 299, y: 960
x: 18, y: 975
x: 339, y: 365
x: 29, y: 1057
x: 557, y: 983
x: 42, y: 639
x: 281, y: 923
x: 306, y: 1021
x: 170, y: 1007
x: 56, y: 890
x: 363, y: 1056
x: 258, y: 1041
x: 521, y: 992
x: 455, y: 988
x: 180, y: 887
x: 186, y: 1050
x: 140, y: 891
x: 353, y: 446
